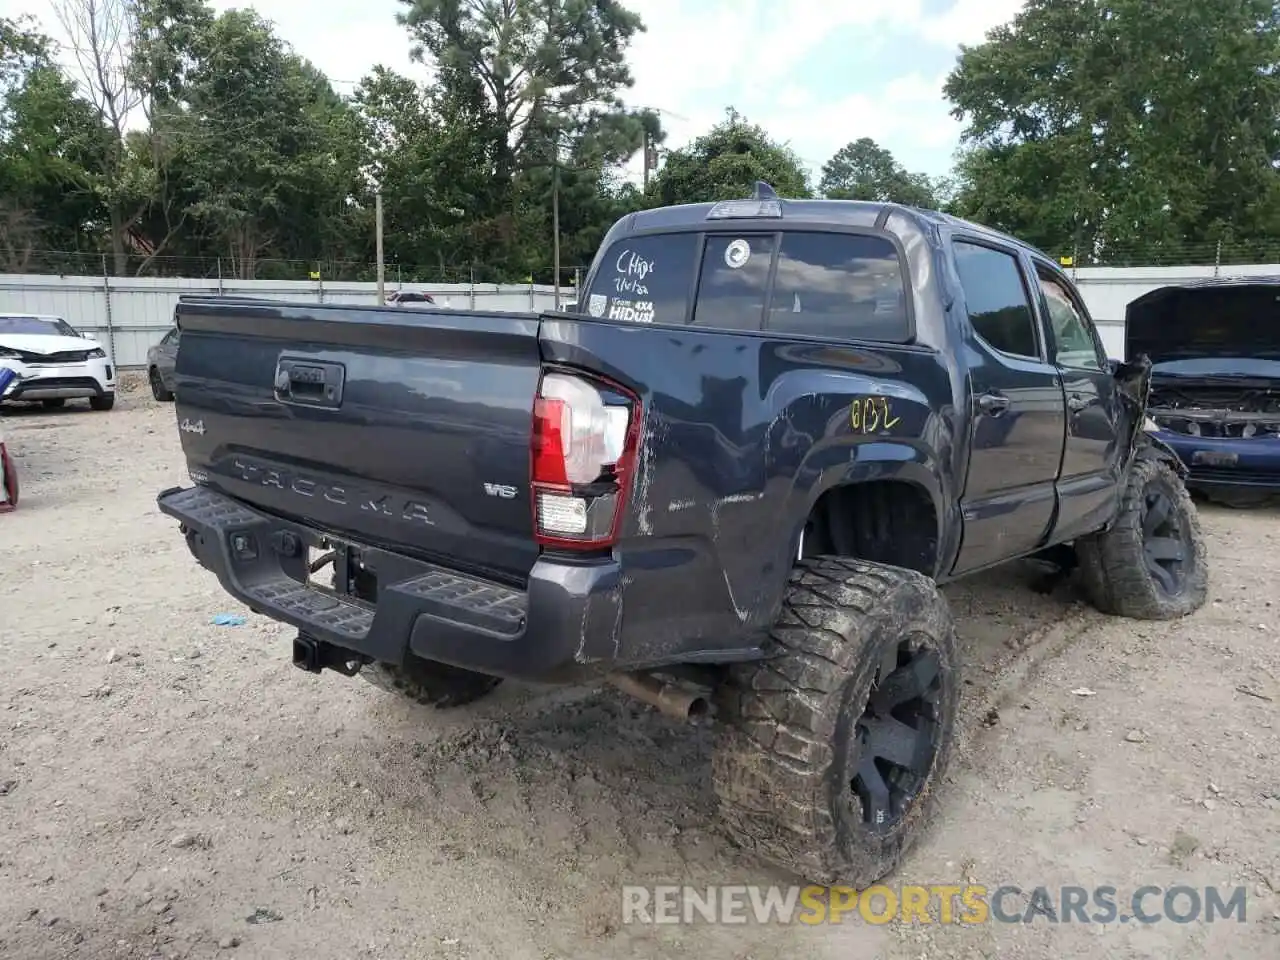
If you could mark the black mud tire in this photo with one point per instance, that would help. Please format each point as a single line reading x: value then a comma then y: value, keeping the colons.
x: 158, y: 391
x: 788, y: 754
x: 1114, y: 570
x: 54, y: 403
x: 103, y: 403
x: 430, y: 683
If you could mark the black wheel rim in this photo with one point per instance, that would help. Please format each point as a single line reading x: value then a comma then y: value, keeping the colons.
x: 899, y: 733
x: 1164, y: 547
x: 155, y: 383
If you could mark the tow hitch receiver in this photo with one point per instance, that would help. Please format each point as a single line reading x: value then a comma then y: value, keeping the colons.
x: 314, y: 655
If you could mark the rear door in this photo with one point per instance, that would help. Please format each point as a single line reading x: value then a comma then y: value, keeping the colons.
x: 1018, y: 413
x: 1094, y: 447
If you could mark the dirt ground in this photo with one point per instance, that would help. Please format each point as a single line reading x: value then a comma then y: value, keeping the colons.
x: 170, y: 788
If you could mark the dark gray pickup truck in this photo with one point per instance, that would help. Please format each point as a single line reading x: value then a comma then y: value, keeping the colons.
x: 729, y: 483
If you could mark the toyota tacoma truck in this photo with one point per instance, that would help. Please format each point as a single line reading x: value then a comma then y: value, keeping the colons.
x: 729, y: 483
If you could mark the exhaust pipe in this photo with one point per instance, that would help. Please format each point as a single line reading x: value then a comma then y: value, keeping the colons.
x: 674, y: 699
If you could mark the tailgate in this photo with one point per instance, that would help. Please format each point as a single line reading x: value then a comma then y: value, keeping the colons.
x: 405, y: 429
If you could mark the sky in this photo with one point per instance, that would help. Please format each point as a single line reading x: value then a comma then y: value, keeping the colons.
x: 816, y: 74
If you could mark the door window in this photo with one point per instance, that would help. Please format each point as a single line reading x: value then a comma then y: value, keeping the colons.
x: 996, y: 299
x: 1074, y: 343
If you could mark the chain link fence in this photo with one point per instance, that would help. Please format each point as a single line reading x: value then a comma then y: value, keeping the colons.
x: 1144, y: 253
x: 69, y: 263
x: 1208, y: 253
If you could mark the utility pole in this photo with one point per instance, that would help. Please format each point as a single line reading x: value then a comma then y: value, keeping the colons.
x: 377, y: 226
x: 646, y: 161
x: 555, y: 223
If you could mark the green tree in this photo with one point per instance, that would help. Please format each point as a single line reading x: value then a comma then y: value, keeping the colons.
x: 864, y: 170
x: 162, y: 53
x: 429, y: 159
x: 539, y: 82
x: 266, y: 149
x: 1122, y: 128
x: 163, y: 48
x: 50, y: 141
x: 100, y: 34
x: 725, y: 163
x: 533, y: 64
x: 22, y: 48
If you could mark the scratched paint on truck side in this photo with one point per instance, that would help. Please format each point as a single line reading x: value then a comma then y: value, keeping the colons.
x: 872, y: 415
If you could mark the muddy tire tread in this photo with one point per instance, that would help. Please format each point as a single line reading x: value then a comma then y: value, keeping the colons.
x: 773, y: 768
x: 1112, y: 572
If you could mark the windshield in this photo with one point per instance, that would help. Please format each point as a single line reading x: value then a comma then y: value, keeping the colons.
x: 39, y: 326
x: 1219, y: 367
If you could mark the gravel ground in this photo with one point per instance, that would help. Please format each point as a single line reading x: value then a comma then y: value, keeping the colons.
x: 170, y: 788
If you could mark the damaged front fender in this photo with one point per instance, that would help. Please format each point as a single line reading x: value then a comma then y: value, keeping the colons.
x: 1161, y: 450
x: 1134, y: 380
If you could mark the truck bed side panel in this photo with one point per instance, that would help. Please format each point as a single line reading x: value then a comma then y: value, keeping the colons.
x: 742, y: 433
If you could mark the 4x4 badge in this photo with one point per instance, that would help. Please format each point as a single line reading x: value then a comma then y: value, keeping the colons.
x: 187, y: 426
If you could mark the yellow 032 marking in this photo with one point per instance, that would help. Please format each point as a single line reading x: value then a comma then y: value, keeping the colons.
x: 872, y: 414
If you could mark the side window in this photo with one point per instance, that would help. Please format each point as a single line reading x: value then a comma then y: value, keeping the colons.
x: 839, y: 285
x: 734, y: 280
x: 644, y: 279
x: 1074, y: 344
x: 996, y: 298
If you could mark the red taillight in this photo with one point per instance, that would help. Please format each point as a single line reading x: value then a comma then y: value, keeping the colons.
x: 582, y: 460
x: 548, y: 441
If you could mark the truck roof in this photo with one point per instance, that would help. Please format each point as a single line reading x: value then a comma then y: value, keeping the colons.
x: 837, y: 213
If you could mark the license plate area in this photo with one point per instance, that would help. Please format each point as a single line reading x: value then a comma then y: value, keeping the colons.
x: 342, y: 568
x: 321, y: 566
x: 1215, y: 458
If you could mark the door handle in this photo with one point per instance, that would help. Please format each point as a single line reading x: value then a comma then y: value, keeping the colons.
x: 992, y: 404
x: 312, y: 383
x: 1077, y: 402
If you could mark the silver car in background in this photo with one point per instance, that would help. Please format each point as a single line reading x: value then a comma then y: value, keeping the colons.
x: 162, y: 358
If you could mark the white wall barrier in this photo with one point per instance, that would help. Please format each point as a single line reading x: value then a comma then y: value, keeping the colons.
x: 129, y: 314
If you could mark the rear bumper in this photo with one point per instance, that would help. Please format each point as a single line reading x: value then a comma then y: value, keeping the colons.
x: 564, y: 626
x: 1227, y: 462
x: 61, y: 381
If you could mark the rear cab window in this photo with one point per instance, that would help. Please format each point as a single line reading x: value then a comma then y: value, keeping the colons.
x: 806, y: 283
x: 645, y: 279
x: 733, y: 284
x: 840, y: 286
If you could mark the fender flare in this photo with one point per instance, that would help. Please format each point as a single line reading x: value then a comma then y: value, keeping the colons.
x: 910, y: 464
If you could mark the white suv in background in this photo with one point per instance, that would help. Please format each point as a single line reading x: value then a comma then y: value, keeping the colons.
x: 54, y: 363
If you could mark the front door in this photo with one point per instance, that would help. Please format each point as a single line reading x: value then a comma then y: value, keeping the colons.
x: 1088, y: 485
x: 1017, y: 418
